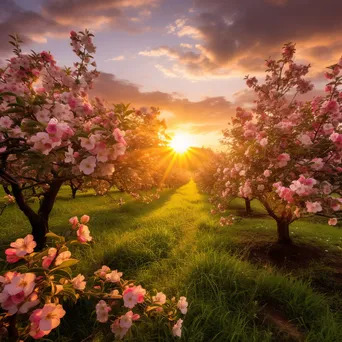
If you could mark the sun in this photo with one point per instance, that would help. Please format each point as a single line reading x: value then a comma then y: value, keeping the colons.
x: 181, y: 142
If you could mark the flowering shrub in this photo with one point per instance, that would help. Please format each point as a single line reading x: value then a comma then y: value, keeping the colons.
x: 285, y: 152
x: 32, y: 294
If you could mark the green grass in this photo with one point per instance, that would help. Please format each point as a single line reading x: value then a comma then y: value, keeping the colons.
x: 175, y: 246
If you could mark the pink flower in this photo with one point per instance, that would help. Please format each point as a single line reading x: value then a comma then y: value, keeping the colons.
x: 114, y: 276
x: 21, y: 283
x: 177, y: 328
x: 6, y: 122
x: 182, y: 305
x: 31, y: 302
x: 305, y: 139
x: 78, y: 282
x: 267, y: 173
x: 283, y: 159
x: 313, y: 207
x: 317, y: 164
x: 332, y: 221
x: 23, y: 246
x: 87, y: 165
x: 133, y: 295
x: 117, y: 330
x: 62, y: 257
x: 83, y: 234
x: 119, y: 136
x: 45, y: 319
x: 102, y: 310
x: 102, y: 272
x: 160, y: 298
x: 85, y: 219
x: 74, y: 222
x: 127, y: 319
x: 11, y: 256
x: 47, y: 260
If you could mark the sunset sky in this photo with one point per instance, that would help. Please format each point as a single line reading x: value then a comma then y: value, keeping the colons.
x: 187, y: 57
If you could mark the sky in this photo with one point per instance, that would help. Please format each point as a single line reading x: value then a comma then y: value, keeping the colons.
x: 187, y: 57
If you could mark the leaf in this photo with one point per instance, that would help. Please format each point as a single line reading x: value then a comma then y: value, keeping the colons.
x: 37, y: 270
x: 55, y: 236
x: 62, y: 273
x: 64, y: 264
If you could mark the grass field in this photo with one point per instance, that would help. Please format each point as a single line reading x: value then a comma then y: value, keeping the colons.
x: 240, y: 286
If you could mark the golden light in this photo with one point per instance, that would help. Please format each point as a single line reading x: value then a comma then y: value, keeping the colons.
x: 181, y: 142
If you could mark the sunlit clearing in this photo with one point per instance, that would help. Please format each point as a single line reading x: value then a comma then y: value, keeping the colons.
x: 181, y: 142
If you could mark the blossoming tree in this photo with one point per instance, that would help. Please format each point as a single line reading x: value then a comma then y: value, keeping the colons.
x: 50, y: 132
x: 287, y: 153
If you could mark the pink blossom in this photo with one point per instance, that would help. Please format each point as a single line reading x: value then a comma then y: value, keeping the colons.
x: 317, y: 164
x: 45, y: 319
x: 305, y: 139
x: 11, y: 255
x: 102, y: 272
x: 87, y: 165
x: 74, y: 222
x: 283, y: 159
x: 182, y: 305
x: 267, y: 173
x: 6, y: 122
x: 177, y: 328
x: 21, y: 282
x: 332, y: 221
x: 83, y: 234
x: 78, y: 282
x: 85, y: 219
x: 119, y: 136
x: 22, y: 246
x: 160, y: 298
x: 127, y: 319
x: 47, y: 260
x: 313, y: 207
x: 102, y: 310
x: 133, y: 295
x: 119, y: 331
x: 114, y: 276
x: 62, y: 257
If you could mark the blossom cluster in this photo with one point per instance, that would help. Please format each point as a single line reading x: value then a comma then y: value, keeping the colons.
x: 45, y: 280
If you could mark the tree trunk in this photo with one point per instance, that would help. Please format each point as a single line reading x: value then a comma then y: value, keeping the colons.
x: 283, y: 233
x: 7, y: 191
x: 248, y: 206
x: 73, y: 192
x: 39, y: 221
x: 40, y: 226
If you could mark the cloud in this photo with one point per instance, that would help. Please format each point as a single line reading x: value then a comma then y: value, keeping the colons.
x: 118, y: 58
x: 55, y: 18
x: 237, y: 36
x: 191, y: 65
x: 187, y: 46
x: 208, y: 115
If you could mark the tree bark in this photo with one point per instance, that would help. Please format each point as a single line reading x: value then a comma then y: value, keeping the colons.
x: 39, y: 221
x: 248, y: 206
x: 283, y: 232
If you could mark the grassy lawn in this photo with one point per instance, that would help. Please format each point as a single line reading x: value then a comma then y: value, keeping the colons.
x: 240, y: 286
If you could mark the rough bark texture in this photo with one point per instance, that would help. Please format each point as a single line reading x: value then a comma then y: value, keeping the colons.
x: 283, y: 233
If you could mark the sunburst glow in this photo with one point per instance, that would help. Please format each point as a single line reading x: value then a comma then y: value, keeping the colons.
x: 181, y: 142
